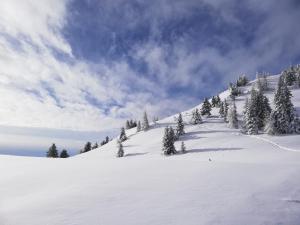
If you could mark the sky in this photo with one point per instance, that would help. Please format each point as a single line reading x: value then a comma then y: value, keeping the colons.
x: 73, y: 70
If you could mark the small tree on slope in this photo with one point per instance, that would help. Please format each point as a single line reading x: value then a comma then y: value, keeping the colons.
x: 282, y: 119
x: 122, y: 136
x: 52, y: 152
x: 251, y: 118
x: 225, y: 107
x: 232, y: 116
x: 138, y: 127
x: 182, y: 147
x: 145, y: 124
x: 206, y: 107
x: 180, y: 126
x: 196, y: 117
x: 120, y: 152
x: 168, y: 142
x: 64, y: 154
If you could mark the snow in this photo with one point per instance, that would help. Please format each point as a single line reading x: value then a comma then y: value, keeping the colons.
x: 249, y: 180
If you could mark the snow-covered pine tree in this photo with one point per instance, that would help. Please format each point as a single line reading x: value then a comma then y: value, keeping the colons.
x: 145, y: 124
x: 296, y: 124
x: 127, y: 125
x: 263, y: 109
x: 206, y: 108
x: 213, y: 101
x: 52, y: 152
x: 232, y: 116
x: 242, y: 81
x: 95, y: 146
x: 251, y: 117
x: 120, y: 152
x: 218, y: 101
x: 196, y: 117
x: 225, y: 106
x: 182, y: 148
x: 284, y: 110
x: 271, y: 127
x: 122, y: 136
x: 180, y: 126
x: 221, y: 110
x: 168, y: 142
x: 87, y: 147
x: 289, y: 76
x: 138, y: 127
x: 64, y: 154
x: 244, y: 126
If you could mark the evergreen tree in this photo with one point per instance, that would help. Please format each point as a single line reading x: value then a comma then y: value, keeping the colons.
x: 206, y: 108
x: 263, y: 109
x: 145, y: 125
x: 284, y: 110
x: 196, y: 117
x: 120, y: 152
x: 64, y: 154
x: 232, y: 117
x: 180, y: 126
x: 251, y: 117
x: 168, y: 142
x: 95, y: 146
x: 127, y: 125
x: 87, y: 147
x: 221, y: 110
x: 225, y: 106
x: 244, y: 125
x: 106, y: 139
x: 218, y: 101
x: 289, y: 76
x: 242, y: 81
x: 52, y: 152
x: 213, y: 101
x: 138, y: 128
x: 182, y: 147
x: 122, y: 136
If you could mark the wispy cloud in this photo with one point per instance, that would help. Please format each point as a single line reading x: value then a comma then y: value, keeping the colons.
x: 89, y: 65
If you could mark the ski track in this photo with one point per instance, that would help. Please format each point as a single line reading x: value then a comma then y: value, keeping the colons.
x: 261, y: 139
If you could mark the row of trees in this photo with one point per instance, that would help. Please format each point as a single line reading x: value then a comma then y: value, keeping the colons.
x: 170, y: 136
x: 53, y: 152
x: 144, y: 126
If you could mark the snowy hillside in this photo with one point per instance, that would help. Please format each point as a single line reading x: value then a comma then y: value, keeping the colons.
x: 225, y: 177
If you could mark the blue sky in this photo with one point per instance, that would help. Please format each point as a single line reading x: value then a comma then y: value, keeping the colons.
x: 88, y: 65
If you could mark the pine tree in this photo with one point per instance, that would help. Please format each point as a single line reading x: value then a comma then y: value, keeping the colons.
x: 120, y: 152
x: 213, y: 101
x: 95, y: 146
x: 106, y: 139
x: 225, y: 106
x: 64, y: 154
x: 180, y: 126
x: 289, y: 76
x: 232, y: 117
x: 182, y: 148
x: 284, y: 110
x: 218, y: 101
x: 87, y: 147
x: 263, y: 109
x: 251, y: 117
x: 206, y: 108
x: 196, y: 117
x: 138, y: 128
x: 52, y: 152
x: 168, y: 142
x: 145, y: 125
x: 127, y: 125
x: 122, y: 136
x: 221, y: 110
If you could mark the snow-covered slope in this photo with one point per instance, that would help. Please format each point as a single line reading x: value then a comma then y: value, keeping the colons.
x: 225, y: 178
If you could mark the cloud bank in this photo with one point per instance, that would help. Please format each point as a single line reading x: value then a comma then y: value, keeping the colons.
x: 90, y: 65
